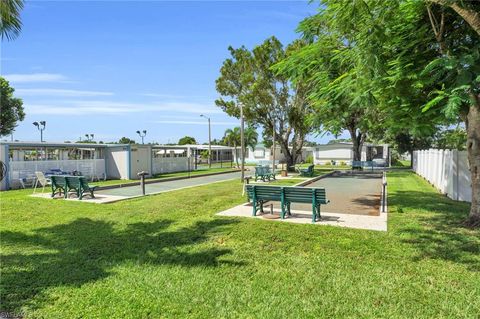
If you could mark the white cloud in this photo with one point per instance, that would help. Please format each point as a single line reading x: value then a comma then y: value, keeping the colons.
x: 35, y: 77
x: 73, y: 109
x: 60, y: 92
x: 79, y: 107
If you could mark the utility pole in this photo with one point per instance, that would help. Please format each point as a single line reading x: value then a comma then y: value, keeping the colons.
x: 273, y: 147
x: 242, y: 141
x: 209, y: 141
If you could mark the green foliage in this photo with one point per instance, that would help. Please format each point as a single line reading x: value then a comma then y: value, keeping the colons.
x: 251, y: 137
x: 248, y: 78
x: 187, y: 140
x: 309, y: 159
x: 204, y: 154
x: 404, y: 142
x: 126, y: 140
x: 339, y: 91
x: 232, y: 137
x: 11, y: 108
x: 10, y: 23
x: 455, y: 139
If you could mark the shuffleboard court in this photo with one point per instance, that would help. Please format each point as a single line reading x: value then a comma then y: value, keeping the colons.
x: 132, y: 191
x: 349, y: 192
x: 356, y: 193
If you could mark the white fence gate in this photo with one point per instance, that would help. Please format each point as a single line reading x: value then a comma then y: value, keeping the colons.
x: 446, y: 170
x: 163, y: 165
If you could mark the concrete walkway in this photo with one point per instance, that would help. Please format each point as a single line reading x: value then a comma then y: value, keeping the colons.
x: 378, y: 223
x: 161, y: 187
x: 122, y: 193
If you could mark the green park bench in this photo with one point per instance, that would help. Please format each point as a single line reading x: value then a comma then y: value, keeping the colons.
x: 59, y: 185
x: 307, y: 172
x: 79, y: 186
x: 362, y: 164
x: 264, y: 173
x: 260, y: 194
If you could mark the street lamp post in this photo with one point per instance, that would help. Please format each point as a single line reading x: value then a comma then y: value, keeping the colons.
x: 41, y: 127
x: 273, y: 148
x: 89, y: 137
x: 242, y: 141
x: 209, y: 141
x: 142, y: 134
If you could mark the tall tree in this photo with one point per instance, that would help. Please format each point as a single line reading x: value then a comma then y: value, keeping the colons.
x: 251, y: 137
x: 187, y: 140
x: 269, y: 99
x: 422, y: 59
x: 11, y: 108
x: 10, y: 23
x: 341, y: 96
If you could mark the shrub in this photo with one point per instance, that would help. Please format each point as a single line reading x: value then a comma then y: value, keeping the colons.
x: 309, y: 159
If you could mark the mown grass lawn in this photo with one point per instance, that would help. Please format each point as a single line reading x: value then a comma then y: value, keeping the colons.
x: 169, y: 256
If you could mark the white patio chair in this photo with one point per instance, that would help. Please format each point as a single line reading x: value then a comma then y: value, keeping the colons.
x: 42, y: 180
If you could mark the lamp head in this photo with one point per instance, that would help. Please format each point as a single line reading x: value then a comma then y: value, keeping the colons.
x: 43, y: 123
x: 144, y: 131
x: 35, y: 123
x: 138, y: 132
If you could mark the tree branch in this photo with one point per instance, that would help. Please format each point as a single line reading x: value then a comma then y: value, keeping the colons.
x: 470, y: 16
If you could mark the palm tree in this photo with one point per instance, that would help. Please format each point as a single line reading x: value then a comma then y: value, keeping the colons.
x: 251, y: 137
x: 10, y: 24
x: 232, y: 138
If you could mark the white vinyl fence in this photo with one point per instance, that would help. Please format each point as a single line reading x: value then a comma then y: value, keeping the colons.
x: 25, y: 170
x: 163, y: 165
x: 446, y: 170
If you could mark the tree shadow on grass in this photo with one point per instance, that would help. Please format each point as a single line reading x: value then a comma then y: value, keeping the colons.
x: 85, y: 250
x: 440, y: 233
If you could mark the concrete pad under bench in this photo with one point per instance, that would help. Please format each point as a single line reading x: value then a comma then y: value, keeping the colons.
x: 378, y: 223
x: 99, y: 198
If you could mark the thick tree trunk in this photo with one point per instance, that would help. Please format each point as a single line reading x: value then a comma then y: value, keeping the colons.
x: 473, y: 151
x: 357, y: 140
x: 470, y: 16
x: 357, y: 150
x: 289, y: 158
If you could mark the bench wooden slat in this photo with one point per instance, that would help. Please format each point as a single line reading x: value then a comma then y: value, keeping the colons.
x: 259, y: 194
x: 79, y: 186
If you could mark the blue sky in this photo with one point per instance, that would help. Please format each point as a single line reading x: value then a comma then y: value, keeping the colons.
x: 114, y: 67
